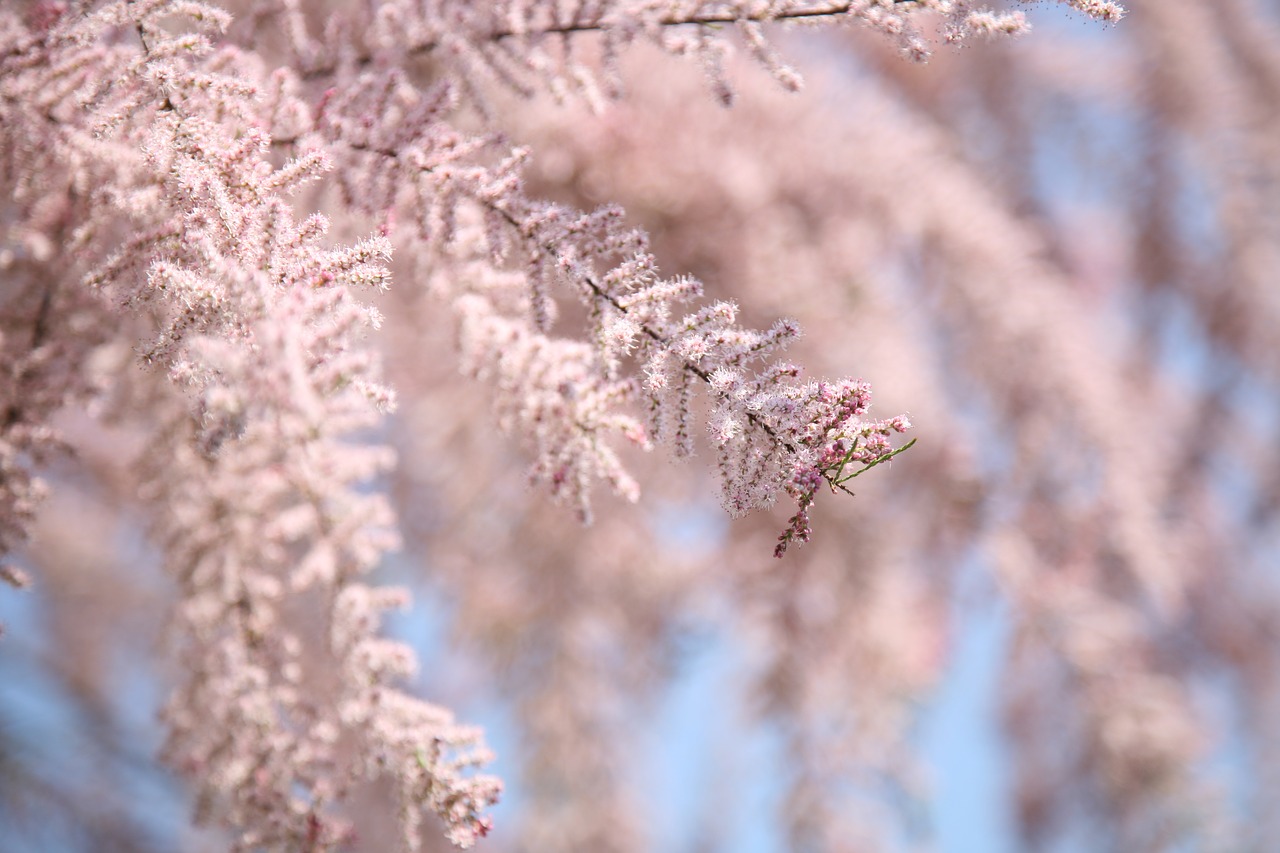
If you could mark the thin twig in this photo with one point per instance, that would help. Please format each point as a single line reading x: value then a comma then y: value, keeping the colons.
x: 873, y: 464
x: 599, y: 24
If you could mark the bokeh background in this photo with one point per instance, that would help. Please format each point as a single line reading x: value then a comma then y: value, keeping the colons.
x: 1051, y: 625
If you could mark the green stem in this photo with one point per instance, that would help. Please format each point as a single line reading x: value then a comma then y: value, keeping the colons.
x: 871, y: 465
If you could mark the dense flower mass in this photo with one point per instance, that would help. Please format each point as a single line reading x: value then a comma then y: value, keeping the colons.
x: 232, y: 239
x: 161, y: 151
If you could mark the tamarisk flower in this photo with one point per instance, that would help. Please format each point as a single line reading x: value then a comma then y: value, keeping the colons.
x: 505, y: 262
x: 528, y: 47
x: 253, y: 484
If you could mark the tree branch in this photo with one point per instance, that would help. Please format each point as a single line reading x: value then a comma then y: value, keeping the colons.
x: 599, y: 24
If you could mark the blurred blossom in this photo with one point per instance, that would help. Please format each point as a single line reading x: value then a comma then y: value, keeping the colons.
x: 289, y: 289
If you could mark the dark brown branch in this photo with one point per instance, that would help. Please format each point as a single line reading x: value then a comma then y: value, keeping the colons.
x: 707, y: 19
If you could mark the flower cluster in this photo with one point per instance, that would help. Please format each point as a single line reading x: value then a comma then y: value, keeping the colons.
x: 510, y: 266
x: 255, y: 488
x: 531, y: 46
